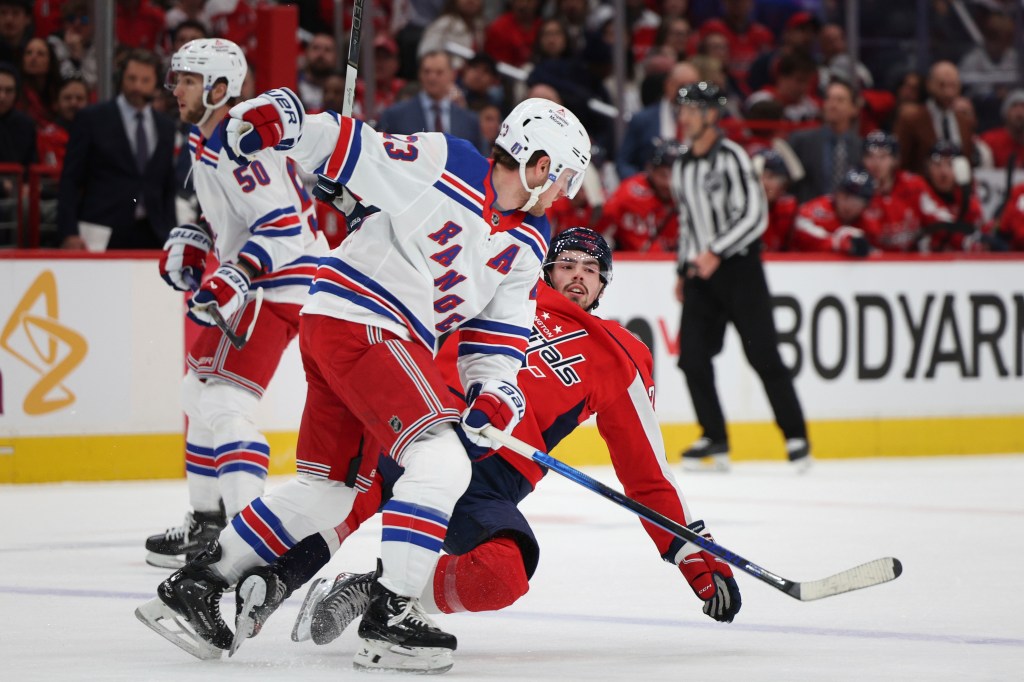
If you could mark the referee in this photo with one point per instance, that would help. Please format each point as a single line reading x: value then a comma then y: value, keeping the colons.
x: 722, y: 213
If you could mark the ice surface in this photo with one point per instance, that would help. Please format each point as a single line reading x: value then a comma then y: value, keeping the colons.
x: 602, y: 606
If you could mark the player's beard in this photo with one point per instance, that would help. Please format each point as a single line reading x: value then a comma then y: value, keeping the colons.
x: 582, y: 300
x: 193, y: 114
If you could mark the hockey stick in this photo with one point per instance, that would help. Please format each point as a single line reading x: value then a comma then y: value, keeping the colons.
x: 866, y: 575
x: 237, y: 340
x: 352, y: 70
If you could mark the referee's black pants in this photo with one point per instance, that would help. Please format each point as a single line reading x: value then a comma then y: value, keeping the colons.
x: 737, y: 292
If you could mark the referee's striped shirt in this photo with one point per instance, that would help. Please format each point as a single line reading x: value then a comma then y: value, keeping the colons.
x: 722, y: 205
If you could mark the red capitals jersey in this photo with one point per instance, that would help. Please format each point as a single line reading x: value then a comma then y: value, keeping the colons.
x: 565, y: 213
x: 781, y: 218
x: 944, y: 208
x: 901, y: 212
x: 635, y: 219
x: 1012, y: 225
x: 816, y: 222
x: 578, y: 365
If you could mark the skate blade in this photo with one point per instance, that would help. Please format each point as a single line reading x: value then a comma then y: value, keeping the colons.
x: 802, y: 465
x: 377, y: 656
x: 165, y: 560
x: 159, y: 617
x: 253, y: 592
x: 301, y: 631
x: 714, y: 463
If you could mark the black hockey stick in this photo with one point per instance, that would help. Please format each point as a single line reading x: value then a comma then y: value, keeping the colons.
x: 866, y: 575
x: 237, y: 340
x: 352, y: 71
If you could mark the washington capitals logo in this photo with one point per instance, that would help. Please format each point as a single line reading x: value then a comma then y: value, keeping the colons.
x: 545, y: 344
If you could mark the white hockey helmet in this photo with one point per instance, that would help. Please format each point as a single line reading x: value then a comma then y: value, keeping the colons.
x: 538, y: 124
x: 213, y: 59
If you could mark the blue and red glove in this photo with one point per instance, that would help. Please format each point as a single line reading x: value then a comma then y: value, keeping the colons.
x: 184, y: 257
x: 492, y: 403
x: 226, y: 290
x: 272, y: 119
x: 711, y: 580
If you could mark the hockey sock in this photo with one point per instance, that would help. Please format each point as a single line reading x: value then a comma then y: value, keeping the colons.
x: 490, y: 577
x: 298, y: 565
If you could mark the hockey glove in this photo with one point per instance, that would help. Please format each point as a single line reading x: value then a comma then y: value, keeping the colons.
x: 495, y: 403
x: 273, y: 119
x: 338, y: 197
x: 711, y: 580
x: 851, y: 241
x: 226, y: 290
x: 184, y: 256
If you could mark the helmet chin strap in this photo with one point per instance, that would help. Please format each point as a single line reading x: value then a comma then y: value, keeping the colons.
x: 535, y: 192
x: 210, y: 108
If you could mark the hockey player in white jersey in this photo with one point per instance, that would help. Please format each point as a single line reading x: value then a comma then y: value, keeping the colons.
x: 260, y: 223
x: 458, y: 245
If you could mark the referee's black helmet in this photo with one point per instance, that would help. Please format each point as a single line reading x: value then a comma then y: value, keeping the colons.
x: 580, y: 239
x: 703, y: 94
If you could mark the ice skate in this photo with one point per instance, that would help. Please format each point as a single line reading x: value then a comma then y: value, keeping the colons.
x: 347, y: 599
x: 175, y: 546
x: 191, y: 596
x: 706, y: 455
x: 260, y: 591
x: 398, y: 636
x: 799, y: 453
x: 318, y: 589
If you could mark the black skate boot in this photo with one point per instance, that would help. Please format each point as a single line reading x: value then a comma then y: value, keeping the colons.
x: 194, y: 592
x: 260, y: 592
x: 398, y: 636
x: 175, y: 546
x: 706, y: 455
x: 347, y: 600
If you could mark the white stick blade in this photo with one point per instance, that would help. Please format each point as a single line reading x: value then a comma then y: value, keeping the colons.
x: 866, y: 575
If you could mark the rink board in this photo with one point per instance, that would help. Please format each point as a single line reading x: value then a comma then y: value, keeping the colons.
x: 891, y: 357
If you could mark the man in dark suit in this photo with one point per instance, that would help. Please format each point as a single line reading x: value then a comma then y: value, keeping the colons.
x: 119, y: 169
x: 653, y: 124
x: 433, y: 109
x: 920, y: 126
x: 830, y: 150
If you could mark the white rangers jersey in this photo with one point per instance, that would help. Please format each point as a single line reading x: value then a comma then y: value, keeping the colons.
x: 259, y: 213
x: 440, y: 257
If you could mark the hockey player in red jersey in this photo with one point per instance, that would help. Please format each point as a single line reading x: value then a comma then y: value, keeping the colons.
x: 837, y: 222
x: 641, y: 215
x: 956, y: 220
x: 577, y: 365
x: 901, y: 203
x: 782, y: 206
x: 259, y: 223
x: 1011, y: 227
x: 458, y: 245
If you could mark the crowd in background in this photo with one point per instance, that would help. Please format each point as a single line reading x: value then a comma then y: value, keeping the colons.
x: 795, y: 100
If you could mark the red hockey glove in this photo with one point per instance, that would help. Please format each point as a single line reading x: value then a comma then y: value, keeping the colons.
x: 273, y: 119
x: 711, y: 580
x: 226, y: 290
x: 851, y: 241
x: 184, y: 256
x: 495, y: 403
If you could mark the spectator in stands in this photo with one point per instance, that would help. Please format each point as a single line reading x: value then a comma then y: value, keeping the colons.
x: 955, y: 222
x: 747, y: 39
x: 1007, y: 143
x: 654, y: 123
x: 715, y: 45
x: 40, y: 78
x: 435, y: 108
x: 981, y: 157
x: 387, y: 84
x: 17, y: 131
x: 919, y: 127
x: 73, y: 44
x: 15, y: 19
x: 793, y: 89
x: 319, y: 59
x: 193, y: 11
x: 782, y: 206
x: 837, y: 222
x: 490, y: 116
x: 901, y: 198
x: 712, y: 70
x: 830, y: 150
x: 996, y: 59
x: 798, y: 36
x: 574, y: 14
x: 408, y: 24
x: 186, y: 31
x: 139, y: 23
x: 640, y: 20
x: 52, y: 138
x: 461, y: 22
x: 511, y: 36
x: 674, y: 33
x: 128, y: 188
x: 334, y: 91
x: 641, y: 215
x: 555, y: 65
x: 480, y: 84
x: 835, y: 57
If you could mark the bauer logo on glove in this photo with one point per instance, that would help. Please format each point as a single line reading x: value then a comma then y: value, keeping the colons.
x: 226, y: 290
